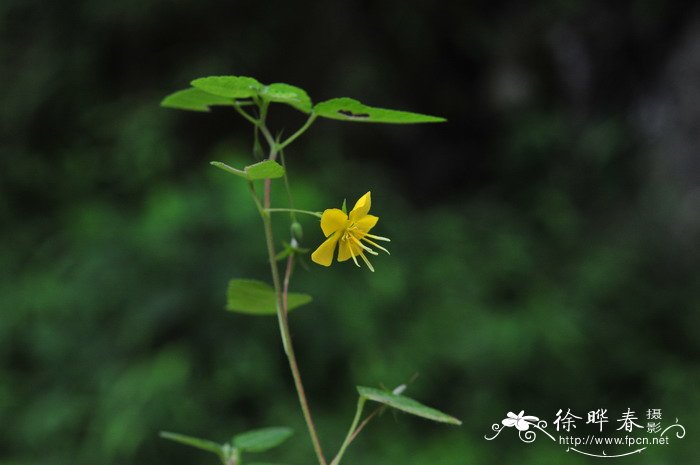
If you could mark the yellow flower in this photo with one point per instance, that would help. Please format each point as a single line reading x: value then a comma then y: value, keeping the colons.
x: 351, y: 231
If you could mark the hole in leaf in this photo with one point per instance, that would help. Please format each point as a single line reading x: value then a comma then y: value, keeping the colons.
x: 350, y: 114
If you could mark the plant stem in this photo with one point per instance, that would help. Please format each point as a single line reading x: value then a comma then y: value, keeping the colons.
x: 287, y: 340
x: 281, y: 294
x: 285, y: 285
x: 350, y: 435
x: 299, y: 132
x: 292, y: 214
x: 376, y: 412
x: 266, y: 132
x: 294, y: 210
x: 245, y: 114
x: 259, y: 206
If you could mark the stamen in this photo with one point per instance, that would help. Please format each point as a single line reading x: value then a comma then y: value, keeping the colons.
x: 376, y: 245
x: 379, y: 238
x: 369, y: 265
x: 352, y: 255
x: 363, y: 246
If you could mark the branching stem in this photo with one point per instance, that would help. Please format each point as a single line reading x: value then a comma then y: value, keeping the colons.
x: 294, y: 210
x: 299, y: 132
x: 351, y: 431
x: 281, y: 291
x: 282, y: 286
x: 245, y: 114
x: 376, y: 412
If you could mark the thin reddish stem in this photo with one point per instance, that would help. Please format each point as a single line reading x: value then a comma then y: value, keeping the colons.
x: 364, y: 423
x: 282, y: 295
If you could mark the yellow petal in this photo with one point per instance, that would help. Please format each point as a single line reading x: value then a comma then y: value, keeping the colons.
x: 324, y: 254
x: 361, y: 207
x: 332, y: 220
x: 347, y: 249
x: 366, y: 223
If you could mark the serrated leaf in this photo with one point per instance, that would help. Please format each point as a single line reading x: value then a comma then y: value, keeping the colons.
x: 266, y: 169
x: 194, y: 100
x: 229, y: 86
x: 262, y: 439
x: 347, y: 109
x: 197, y: 443
x: 258, y: 298
x: 406, y: 404
x: 285, y: 93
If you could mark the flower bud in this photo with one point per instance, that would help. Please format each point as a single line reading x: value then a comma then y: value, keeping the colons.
x: 258, y: 151
x: 297, y: 231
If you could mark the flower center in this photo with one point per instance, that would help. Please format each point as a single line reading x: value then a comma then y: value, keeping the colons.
x: 349, y: 230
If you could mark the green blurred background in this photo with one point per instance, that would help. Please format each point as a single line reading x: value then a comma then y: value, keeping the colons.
x: 545, y: 240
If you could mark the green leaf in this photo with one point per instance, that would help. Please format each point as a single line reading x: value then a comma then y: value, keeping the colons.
x: 347, y: 109
x: 266, y: 169
x: 194, y: 100
x: 284, y: 253
x: 263, y: 463
x: 229, y: 86
x: 229, y: 169
x: 344, y: 207
x: 258, y: 298
x: 260, y: 440
x: 289, y: 249
x: 285, y: 93
x: 197, y: 443
x: 406, y: 404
